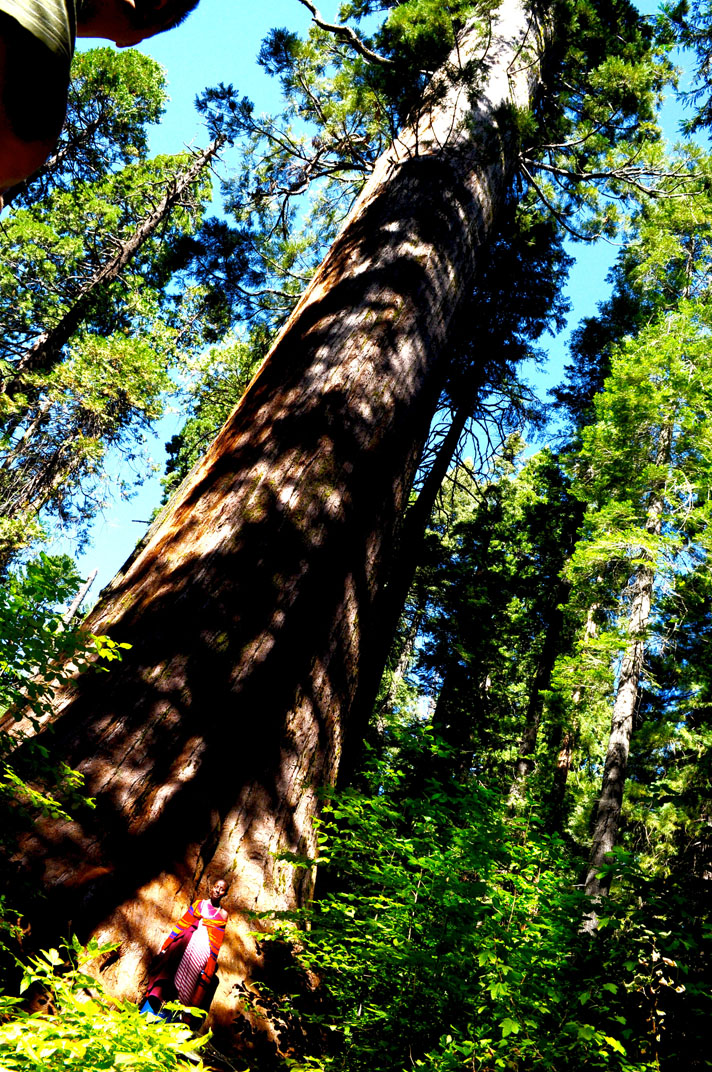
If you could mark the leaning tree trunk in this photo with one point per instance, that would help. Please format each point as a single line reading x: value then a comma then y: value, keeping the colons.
x: 250, y: 610
x: 610, y: 802
x: 565, y: 740
x: 562, y: 769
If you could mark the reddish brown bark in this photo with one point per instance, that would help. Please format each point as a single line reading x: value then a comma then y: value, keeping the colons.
x: 561, y: 773
x: 252, y: 608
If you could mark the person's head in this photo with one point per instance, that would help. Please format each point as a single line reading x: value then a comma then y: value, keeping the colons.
x: 128, y: 22
x: 34, y: 77
x: 218, y: 890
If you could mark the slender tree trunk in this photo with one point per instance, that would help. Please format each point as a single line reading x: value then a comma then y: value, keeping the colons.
x: 561, y: 776
x: 551, y: 649
x: 410, y: 540
x: 27, y: 485
x: 566, y: 740
x: 28, y: 482
x: 610, y: 802
x: 461, y: 707
x: 46, y: 352
x: 399, y: 672
x: 73, y: 609
x: 405, y: 556
x: 462, y: 704
x: 542, y: 676
x: 251, y: 610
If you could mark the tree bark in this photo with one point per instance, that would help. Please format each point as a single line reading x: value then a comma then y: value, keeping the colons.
x: 565, y: 741
x: 610, y: 802
x: 564, y: 757
x: 73, y: 608
x: 251, y: 609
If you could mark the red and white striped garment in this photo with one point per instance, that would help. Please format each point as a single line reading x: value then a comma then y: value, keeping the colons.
x: 196, y: 955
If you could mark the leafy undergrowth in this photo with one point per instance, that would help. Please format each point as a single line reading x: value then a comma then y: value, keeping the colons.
x: 448, y: 936
x: 81, y: 1028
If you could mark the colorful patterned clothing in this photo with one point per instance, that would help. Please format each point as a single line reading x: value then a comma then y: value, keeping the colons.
x: 189, y: 956
x: 197, y: 954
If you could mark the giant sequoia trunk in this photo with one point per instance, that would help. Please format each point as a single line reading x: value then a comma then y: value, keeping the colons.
x: 250, y: 609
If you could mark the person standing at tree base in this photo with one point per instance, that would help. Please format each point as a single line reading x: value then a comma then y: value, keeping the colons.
x: 184, y: 969
x: 36, y: 47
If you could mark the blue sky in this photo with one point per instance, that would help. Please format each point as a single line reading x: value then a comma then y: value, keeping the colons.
x: 220, y: 42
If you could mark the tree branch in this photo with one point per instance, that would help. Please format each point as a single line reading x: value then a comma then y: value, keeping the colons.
x: 630, y: 174
x: 346, y: 34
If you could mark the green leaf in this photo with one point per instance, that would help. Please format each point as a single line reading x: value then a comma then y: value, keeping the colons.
x: 509, y: 1027
x: 615, y: 1044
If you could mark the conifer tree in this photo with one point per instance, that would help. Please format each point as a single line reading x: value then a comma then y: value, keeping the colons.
x: 113, y: 97
x: 91, y: 328
x: 253, y: 607
x: 651, y: 422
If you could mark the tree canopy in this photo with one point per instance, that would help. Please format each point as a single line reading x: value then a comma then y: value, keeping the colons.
x: 415, y: 657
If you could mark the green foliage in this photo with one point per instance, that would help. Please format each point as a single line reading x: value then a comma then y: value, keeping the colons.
x: 667, y: 257
x: 596, y: 142
x: 446, y: 930
x: 492, y: 566
x: 644, y: 449
x: 38, y: 652
x: 81, y: 1028
x: 221, y: 377
x: 446, y: 935
x: 108, y: 382
x: 37, y: 646
x: 52, y: 251
x: 589, y: 148
x: 113, y: 96
x: 423, y: 31
x: 687, y: 22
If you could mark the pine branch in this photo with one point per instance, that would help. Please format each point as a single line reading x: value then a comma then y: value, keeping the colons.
x: 632, y: 175
x: 345, y: 33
